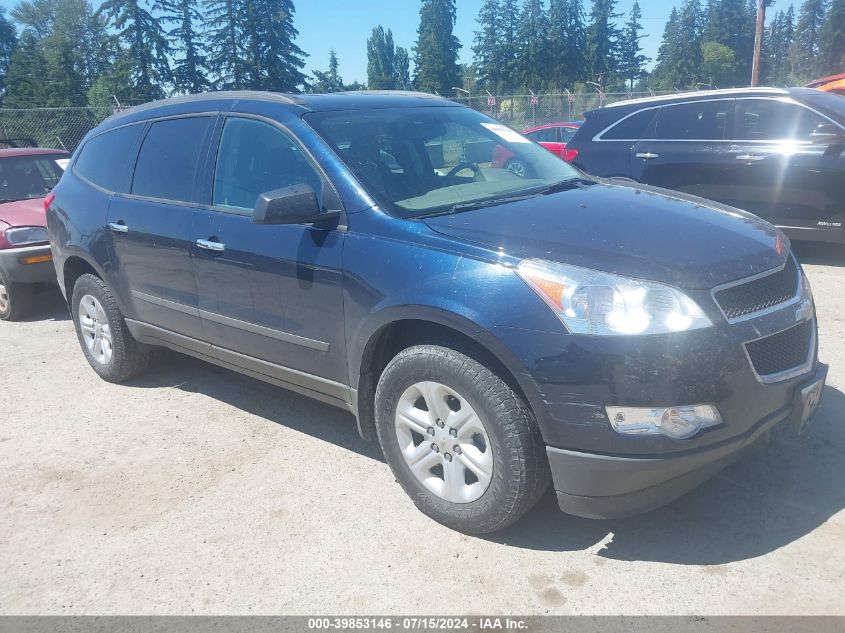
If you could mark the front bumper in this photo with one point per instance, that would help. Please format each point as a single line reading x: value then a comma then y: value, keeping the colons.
x: 608, y: 486
x: 15, y: 266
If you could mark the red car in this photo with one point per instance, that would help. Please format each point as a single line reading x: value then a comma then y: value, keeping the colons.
x: 553, y: 137
x: 26, y: 177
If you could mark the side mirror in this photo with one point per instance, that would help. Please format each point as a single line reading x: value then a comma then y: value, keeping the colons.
x: 828, y: 133
x: 295, y: 204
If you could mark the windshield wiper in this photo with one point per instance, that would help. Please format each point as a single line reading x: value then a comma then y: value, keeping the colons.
x: 565, y: 185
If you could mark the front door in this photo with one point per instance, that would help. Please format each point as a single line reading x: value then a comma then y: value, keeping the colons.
x: 270, y: 296
x: 690, y: 149
x: 786, y: 171
x: 152, y: 225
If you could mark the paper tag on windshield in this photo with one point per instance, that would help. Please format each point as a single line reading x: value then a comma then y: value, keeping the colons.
x: 505, y: 133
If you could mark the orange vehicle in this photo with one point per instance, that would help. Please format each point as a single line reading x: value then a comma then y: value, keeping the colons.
x: 833, y: 83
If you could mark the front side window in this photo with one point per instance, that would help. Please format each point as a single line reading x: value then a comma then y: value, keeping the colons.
x: 420, y: 161
x: 103, y: 159
x: 774, y: 120
x: 697, y: 121
x: 28, y: 177
x: 167, y: 162
x: 255, y: 157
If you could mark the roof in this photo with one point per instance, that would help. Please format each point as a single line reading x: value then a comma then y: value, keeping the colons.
x: 826, y: 80
x: 305, y: 102
x: 30, y: 151
x: 700, y: 94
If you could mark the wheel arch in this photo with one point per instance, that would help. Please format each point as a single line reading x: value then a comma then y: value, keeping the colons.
x: 420, y: 326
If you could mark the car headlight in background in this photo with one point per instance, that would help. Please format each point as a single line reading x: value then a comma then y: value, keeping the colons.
x: 26, y: 235
x: 593, y: 302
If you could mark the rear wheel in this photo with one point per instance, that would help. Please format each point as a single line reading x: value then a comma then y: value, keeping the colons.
x: 16, y: 300
x: 459, y: 440
x: 106, y: 342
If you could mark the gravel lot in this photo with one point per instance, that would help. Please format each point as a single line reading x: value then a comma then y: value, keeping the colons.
x: 196, y: 490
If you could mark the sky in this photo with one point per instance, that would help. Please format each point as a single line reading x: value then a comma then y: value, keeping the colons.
x: 344, y: 26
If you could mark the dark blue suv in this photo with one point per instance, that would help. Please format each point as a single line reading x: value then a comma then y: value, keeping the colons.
x: 494, y: 331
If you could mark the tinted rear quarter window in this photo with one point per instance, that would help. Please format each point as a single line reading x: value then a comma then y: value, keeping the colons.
x: 104, y: 159
x: 167, y: 162
x: 696, y: 121
x: 633, y: 127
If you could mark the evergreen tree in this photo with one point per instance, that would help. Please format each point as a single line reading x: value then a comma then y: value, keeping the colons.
x: 485, y: 47
x: 832, y: 39
x: 329, y: 80
x: 145, y: 40
x: 632, y: 60
x: 603, y: 37
x: 436, y: 50
x: 223, y: 27
x: 190, y: 68
x: 806, y: 48
x: 402, y: 68
x: 8, y: 40
x: 508, y: 46
x: 679, y: 57
x: 732, y: 23
x: 532, y: 42
x: 25, y: 87
x: 381, y: 60
x: 777, y: 66
x: 274, y: 61
x: 567, y: 43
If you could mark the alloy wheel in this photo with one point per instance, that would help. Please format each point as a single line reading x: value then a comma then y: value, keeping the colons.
x: 95, y: 329
x: 4, y: 297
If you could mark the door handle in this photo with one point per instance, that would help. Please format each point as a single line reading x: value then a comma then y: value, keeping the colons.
x: 119, y: 227
x: 208, y: 245
x: 749, y: 157
x: 647, y: 155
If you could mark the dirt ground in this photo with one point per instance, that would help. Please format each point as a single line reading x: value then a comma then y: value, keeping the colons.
x: 196, y: 490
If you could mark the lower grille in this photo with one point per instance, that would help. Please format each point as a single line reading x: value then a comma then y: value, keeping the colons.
x: 782, y: 351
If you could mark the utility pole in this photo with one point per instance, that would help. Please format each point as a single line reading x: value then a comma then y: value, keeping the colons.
x: 758, y: 41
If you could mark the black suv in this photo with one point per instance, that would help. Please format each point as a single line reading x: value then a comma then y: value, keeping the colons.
x: 777, y: 153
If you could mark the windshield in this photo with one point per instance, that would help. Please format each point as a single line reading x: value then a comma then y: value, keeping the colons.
x: 419, y: 161
x: 27, y: 177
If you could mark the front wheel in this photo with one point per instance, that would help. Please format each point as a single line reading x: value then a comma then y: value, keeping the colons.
x: 459, y: 440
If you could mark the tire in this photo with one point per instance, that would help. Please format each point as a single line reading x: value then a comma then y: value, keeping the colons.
x: 127, y: 358
x: 16, y: 300
x: 509, y: 441
x: 516, y: 167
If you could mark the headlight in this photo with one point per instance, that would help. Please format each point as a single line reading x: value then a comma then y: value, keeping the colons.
x: 26, y: 235
x: 593, y: 302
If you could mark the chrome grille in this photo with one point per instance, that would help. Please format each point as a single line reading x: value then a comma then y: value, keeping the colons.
x: 783, y: 351
x: 741, y: 299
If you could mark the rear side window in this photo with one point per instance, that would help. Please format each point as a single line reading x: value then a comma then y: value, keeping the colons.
x: 255, y: 157
x: 697, y: 121
x: 631, y: 128
x: 771, y: 120
x: 103, y: 159
x: 167, y: 162
x: 566, y: 133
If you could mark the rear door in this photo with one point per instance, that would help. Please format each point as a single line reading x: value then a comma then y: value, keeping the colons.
x: 689, y: 150
x: 605, y: 147
x: 786, y: 171
x: 152, y: 225
x: 270, y: 296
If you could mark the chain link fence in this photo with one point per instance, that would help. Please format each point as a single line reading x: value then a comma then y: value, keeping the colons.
x: 64, y: 128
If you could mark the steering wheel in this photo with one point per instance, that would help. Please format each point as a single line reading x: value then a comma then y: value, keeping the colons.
x: 460, y: 167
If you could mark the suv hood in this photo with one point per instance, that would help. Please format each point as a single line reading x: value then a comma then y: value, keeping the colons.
x: 24, y: 213
x: 629, y: 229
